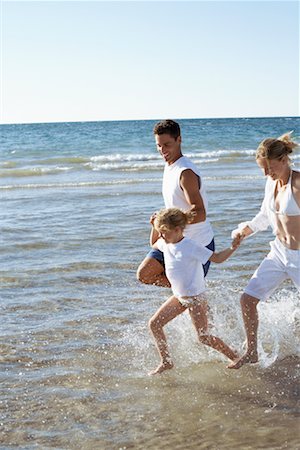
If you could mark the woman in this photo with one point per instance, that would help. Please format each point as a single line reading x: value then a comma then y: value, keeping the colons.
x: 281, y: 210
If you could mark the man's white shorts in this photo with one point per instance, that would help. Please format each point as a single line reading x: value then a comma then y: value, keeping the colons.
x: 280, y: 264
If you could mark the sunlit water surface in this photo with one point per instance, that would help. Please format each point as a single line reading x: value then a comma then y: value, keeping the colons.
x: 75, y: 351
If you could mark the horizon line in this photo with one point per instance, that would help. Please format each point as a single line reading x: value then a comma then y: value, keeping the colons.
x: 150, y: 120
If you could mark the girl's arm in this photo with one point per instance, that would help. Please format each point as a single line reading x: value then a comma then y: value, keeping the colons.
x: 219, y: 257
x: 154, y: 235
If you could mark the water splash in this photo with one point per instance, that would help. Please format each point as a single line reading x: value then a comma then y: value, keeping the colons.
x: 278, y: 338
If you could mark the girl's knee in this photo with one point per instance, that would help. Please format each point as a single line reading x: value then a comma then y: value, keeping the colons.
x: 154, y: 324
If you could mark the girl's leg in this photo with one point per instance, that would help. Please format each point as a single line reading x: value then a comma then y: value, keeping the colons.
x: 168, y: 311
x: 199, y: 316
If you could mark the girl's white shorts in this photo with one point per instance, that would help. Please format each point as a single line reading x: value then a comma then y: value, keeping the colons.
x: 192, y: 300
x: 280, y: 264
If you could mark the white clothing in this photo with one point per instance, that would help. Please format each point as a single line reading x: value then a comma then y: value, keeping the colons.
x: 288, y: 204
x: 174, y: 197
x: 280, y: 264
x: 183, y: 262
x: 192, y: 300
x: 267, y: 215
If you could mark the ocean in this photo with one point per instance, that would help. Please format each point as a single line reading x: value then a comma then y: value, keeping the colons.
x: 75, y: 350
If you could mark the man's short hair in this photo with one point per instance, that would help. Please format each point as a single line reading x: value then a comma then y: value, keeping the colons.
x: 167, y: 127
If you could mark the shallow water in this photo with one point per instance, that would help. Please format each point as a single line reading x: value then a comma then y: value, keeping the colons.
x: 81, y: 382
x: 75, y: 351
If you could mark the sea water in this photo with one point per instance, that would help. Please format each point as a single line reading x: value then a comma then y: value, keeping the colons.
x: 75, y: 350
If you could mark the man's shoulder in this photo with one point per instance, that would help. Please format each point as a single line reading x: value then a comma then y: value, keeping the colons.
x: 186, y: 163
x: 184, y: 160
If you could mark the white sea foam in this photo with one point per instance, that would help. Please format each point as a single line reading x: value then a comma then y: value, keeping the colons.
x: 86, y: 184
x: 279, y: 329
x: 278, y: 338
x: 125, y: 157
x: 129, y: 181
x: 127, y: 162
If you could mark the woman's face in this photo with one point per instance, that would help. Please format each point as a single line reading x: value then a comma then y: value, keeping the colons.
x: 274, y: 168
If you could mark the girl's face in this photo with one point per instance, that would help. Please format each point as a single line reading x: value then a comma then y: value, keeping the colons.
x: 274, y: 168
x: 170, y: 236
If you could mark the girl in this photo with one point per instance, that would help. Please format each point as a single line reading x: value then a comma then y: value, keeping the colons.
x: 183, y: 261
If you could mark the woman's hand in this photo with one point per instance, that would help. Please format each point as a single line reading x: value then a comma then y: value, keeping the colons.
x: 243, y: 231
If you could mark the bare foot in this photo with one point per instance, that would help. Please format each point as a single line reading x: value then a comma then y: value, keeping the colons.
x: 162, y: 367
x: 245, y: 359
x: 233, y: 356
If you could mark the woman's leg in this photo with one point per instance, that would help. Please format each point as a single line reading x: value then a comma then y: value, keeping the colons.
x: 250, y: 317
x: 267, y: 277
x: 168, y: 311
x: 199, y: 316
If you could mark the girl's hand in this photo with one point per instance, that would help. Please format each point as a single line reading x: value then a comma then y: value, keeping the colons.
x: 152, y: 218
x: 236, y: 242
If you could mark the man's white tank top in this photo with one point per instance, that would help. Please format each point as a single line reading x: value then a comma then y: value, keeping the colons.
x: 174, y: 198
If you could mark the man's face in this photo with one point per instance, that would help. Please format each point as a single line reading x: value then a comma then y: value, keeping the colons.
x: 168, y: 147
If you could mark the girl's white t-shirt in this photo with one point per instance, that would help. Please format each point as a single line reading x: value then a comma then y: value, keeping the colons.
x: 183, y: 264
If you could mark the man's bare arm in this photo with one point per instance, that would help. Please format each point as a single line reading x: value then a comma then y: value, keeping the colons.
x: 190, y: 184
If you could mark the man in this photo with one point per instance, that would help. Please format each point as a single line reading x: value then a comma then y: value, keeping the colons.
x: 182, y: 188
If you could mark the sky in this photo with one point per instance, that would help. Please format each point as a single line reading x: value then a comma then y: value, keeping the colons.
x: 130, y: 60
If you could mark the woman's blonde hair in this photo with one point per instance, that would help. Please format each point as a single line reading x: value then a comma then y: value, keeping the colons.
x: 271, y: 148
x: 171, y: 218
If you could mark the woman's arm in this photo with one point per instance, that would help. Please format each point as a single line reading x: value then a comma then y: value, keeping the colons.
x: 243, y: 229
x: 260, y: 222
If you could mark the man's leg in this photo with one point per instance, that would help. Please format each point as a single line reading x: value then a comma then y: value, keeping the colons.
x: 250, y: 317
x: 152, y: 269
x: 210, y: 246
